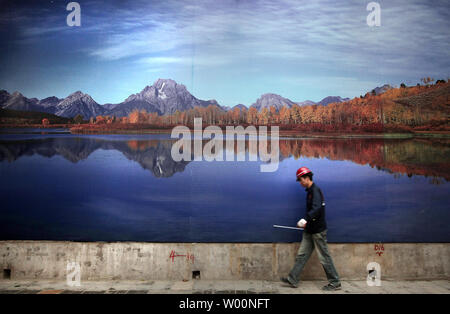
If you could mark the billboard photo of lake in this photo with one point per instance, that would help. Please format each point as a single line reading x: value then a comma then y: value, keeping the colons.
x: 115, y: 187
x: 91, y: 93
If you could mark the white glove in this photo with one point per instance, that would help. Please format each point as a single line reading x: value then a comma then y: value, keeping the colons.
x: 301, y: 223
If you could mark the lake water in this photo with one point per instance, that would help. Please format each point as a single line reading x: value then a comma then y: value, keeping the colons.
x: 59, y: 186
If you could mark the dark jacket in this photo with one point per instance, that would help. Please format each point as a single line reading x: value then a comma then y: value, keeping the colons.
x: 315, y: 210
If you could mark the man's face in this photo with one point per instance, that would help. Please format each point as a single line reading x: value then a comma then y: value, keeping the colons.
x: 304, y: 181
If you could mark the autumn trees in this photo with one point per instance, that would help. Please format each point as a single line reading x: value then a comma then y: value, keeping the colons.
x: 392, y: 109
x: 78, y: 118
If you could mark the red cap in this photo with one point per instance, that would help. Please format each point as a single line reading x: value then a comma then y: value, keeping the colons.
x: 302, y: 171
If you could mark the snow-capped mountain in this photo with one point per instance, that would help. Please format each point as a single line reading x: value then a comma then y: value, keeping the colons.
x: 306, y: 103
x: 16, y: 101
x: 79, y: 103
x: 109, y: 106
x: 332, y: 99
x: 382, y: 89
x: 74, y: 104
x: 165, y: 96
x: 49, y: 104
x: 268, y: 100
x: 4, y: 96
x: 240, y: 106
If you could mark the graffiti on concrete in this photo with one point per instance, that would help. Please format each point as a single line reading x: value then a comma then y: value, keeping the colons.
x: 188, y: 256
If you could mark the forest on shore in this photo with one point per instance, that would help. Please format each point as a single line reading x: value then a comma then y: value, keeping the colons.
x: 403, y: 109
x: 420, y: 108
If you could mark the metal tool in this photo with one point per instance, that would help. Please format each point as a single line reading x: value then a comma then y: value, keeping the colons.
x: 286, y: 227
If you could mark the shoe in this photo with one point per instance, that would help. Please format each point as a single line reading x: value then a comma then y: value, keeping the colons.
x: 285, y: 280
x: 331, y: 287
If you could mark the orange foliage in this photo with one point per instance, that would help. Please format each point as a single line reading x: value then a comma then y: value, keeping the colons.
x: 142, y: 145
x: 398, y: 109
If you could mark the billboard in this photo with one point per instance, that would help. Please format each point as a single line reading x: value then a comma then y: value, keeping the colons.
x: 186, y: 121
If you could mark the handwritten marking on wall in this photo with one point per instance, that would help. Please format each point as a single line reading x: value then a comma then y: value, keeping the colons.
x: 188, y: 256
x: 379, y: 249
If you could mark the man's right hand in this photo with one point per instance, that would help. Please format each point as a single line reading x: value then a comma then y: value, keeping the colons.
x: 301, y: 223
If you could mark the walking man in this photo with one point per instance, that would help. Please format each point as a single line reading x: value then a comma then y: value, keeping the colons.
x: 314, y: 234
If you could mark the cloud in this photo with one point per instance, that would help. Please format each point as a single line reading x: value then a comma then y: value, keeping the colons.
x: 260, y: 41
x: 160, y: 60
x: 320, y: 33
x: 293, y: 30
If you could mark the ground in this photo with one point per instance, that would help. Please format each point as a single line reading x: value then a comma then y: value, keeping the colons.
x: 220, y: 287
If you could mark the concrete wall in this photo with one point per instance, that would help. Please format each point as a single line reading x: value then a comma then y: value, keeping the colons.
x: 265, y: 261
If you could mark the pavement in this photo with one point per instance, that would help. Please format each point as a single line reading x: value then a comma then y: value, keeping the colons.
x: 200, y: 286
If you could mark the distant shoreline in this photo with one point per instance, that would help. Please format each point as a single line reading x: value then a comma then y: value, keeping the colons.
x: 283, y: 133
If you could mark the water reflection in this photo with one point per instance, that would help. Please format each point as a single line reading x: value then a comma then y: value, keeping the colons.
x: 128, y: 188
x: 424, y: 157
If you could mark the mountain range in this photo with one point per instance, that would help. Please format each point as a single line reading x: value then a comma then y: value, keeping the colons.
x: 165, y: 96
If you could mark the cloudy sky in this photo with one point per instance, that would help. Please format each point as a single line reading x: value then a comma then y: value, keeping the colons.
x: 229, y: 50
